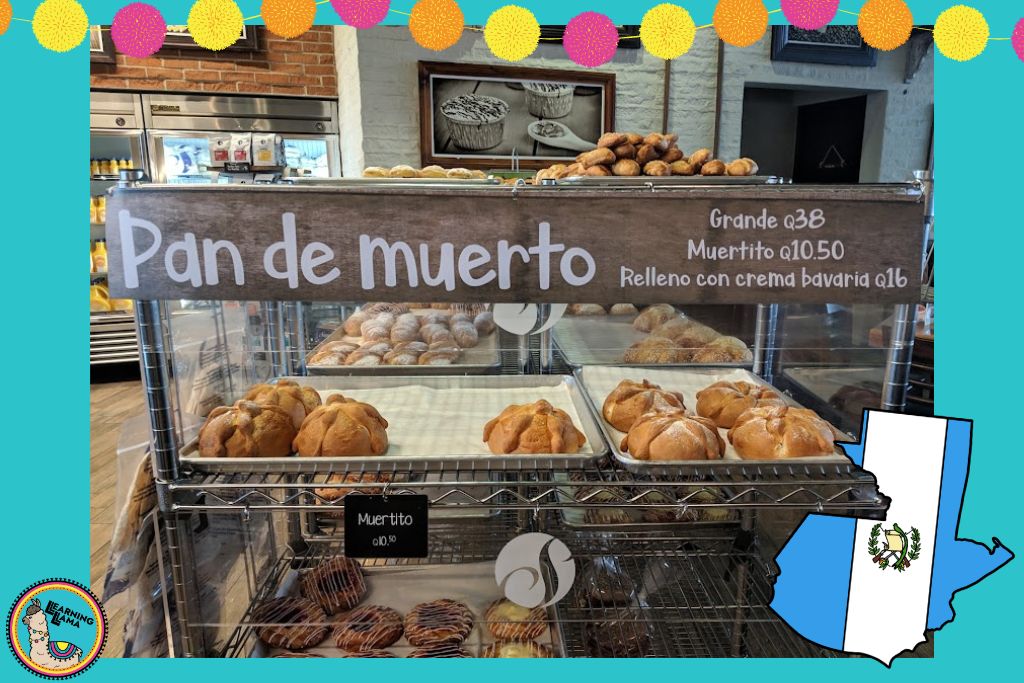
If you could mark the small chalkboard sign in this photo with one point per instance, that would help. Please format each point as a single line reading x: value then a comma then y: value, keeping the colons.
x: 237, y: 167
x: 385, y: 526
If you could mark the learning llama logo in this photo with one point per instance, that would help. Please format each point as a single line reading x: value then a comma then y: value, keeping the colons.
x: 57, y: 628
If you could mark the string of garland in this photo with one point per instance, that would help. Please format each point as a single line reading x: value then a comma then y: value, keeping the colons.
x: 512, y: 32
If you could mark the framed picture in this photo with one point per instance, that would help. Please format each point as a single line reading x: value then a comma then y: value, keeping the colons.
x: 831, y: 45
x: 488, y: 117
x: 629, y: 35
x: 179, y: 38
x: 101, y: 47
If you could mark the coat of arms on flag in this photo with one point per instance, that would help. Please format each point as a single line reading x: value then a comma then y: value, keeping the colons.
x: 898, y: 547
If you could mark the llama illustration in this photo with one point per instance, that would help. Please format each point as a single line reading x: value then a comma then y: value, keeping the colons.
x: 51, y: 654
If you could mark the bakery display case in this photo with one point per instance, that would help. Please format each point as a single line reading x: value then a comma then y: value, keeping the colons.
x: 635, y: 435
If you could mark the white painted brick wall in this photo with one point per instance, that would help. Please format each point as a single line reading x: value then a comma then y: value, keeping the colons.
x: 386, y: 131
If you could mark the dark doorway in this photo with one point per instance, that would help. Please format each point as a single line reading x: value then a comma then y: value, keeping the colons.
x: 829, y: 137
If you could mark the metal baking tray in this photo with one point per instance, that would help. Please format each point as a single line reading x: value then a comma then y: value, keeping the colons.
x: 669, y: 181
x: 402, y: 588
x: 603, y: 339
x: 598, y: 381
x: 436, y: 423
x: 393, y: 182
x: 482, y: 359
x: 573, y: 518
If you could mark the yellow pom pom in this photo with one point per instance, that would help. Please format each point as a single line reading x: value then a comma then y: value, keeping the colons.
x: 961, y: 33
x: 436, y: 24
x: 512, y: 33
x: 215, y: 24
x: 667, y: 31
x: 60, y: 25
x: 288, y: 18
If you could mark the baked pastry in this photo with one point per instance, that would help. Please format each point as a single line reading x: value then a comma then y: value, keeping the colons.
x: 437, y: 622
x: 587, y: 309
x: 612, y: 140
x: 628, y: 168
x: 247, y: 430
x: 773, y: 432
x: 516, y: 650
x: 289, y: 396
x: 657, y: 168
x: 442, y: 650
x: 336, y: 584
x: 606, y: 515
x: 332, y: 494
x: 375, y: 172
x: 370, y: 627
x: 433, y: 172
x: 754, y: 168
x: 475, y: 121
x: 484, y: 323
x: 672, y: 155
x: 606, y: 584
x: 713, y: 167
x: 342, y: 427
x: 406, y: 328
x: 739, y: 167
x: 722, y: 402
x: 655, y: 315
x: 854, y: 399
x: 465, y: 334
x: 291, y: 623
x: 377, y: 328
x: 571, y: 171
x: 381, y: 307
x: 367, y: 654
x: 296, y: 655
x: 601, y: 171
x: 634, y: 138
x: 661, y: 142
x: 682, y: 167
x: 403, y: 171
x: 477, y: 174
x: 629, y: 400
x: 354, y: 323
x: 723, y: 350
x: 533, y: 428
x: 434, y: 318
x: 687, y: 333
x: 624, y: 151
x: 548, y: 100
x: 663, y: 515
x: 405, y: 353
x: 440, y: 356
x: 623, y: 309
x: 364, y: 357
x: 673, y: 435
x: 432, y: 331
x: 508, y: 621
x: 700, y: 157
x: 656, y: 350
x: 601, y: 155
x: 646, y: 154
x: 622, y: 634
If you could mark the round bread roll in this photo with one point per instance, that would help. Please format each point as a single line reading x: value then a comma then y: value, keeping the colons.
x: 655, y: 315
x: 477, y: 174
x: 723, y: 350
x: 623, y: 309
x: 625, y: 151
x: 682, y: 167
x: 601, y: 171
x: 295, y: 400
x: 700, y: 157
x: 722, y: 402
x: 739, y: 167
x: 587, y: 309
x: 753, y: 165
x: 533, y: 428
x: 459, y: 173
x: 646, y: 154
x: 672, y: 154
x: 342, y: 427
x: 375, y: 172
x: 611, y: 140
x: 247, y: 430
x: 673, y: 435
x: 403, y: 171
x: 772, y: 432
x: 433, y: 172
x: 655, y: 350
x: 713, y: 167
x: 626, y: 167
x: 686, y: 333
x: 657, y: 168
x: 573, y: 170
x: 634, y: 139
x: 629, y: 400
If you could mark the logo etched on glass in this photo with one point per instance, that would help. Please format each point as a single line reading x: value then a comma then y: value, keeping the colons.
x: 519, y: 575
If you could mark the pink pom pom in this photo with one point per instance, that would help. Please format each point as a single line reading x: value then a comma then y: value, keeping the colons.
x: 590, y: 39
x: 138, y: 30
x: 1017, y: 39
x: 361, y: 13
x: 809, y: 14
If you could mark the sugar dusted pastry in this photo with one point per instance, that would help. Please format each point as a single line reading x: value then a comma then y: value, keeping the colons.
x: 354, y: 323
x: 484, y: 323
x: 723, y: 350
x: 723, y: 402
x: 655, y: 350
x: 247, y: 430
x: 629, y: 400
x: 772, y: 432
x: 686, y: 333
x: 673, y: 435
x: 655, y: 315
x: 295, y: 400
x: 533, y: 428
x: 342, y: 427
x: 465, y: 334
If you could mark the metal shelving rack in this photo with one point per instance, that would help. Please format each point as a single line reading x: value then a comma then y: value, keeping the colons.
x: 711, y: 585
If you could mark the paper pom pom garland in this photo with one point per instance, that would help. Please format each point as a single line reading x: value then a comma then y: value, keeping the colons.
x: 740, y: 22
x: 60, y: 25
x: 512, y: 33
x: 961, y: 33
x: 810, y: 14
x: 590, y: 39
x: 288, y: 18
x: 215, y: 24
x: 138, y: 30
x: 667, y: 31
x: 436, y: 24
x: 361, y: 13
x: 1017, y: 39
x: 885, y: 24
x: 5, y: 15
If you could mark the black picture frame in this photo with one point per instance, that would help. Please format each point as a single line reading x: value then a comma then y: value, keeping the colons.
x: 101, y: 47
x: 791, y: 44
x: 629, y: 35
x: 178, y: 38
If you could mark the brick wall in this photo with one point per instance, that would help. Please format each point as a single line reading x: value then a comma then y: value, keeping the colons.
x: 302, y: 66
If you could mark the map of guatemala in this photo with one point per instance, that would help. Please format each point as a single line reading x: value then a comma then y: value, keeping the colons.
x: 839, y: 574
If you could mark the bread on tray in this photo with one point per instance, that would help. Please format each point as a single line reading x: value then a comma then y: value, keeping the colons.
x: 533, y: 428
x: 342, y: 427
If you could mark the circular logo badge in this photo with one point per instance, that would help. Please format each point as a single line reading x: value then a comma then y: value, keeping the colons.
x: 518, y: 570
x: 57, y: 628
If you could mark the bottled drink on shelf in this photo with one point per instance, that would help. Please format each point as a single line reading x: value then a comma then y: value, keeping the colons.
x: 93, y: 210
x: 99, y: 256
x: 94, y: 167
x: 101, y: 208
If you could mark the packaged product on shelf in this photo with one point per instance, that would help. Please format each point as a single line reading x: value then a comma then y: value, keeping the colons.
x: 241, y: 148
x: 93, y: 214
x: 267, y: 150
x: 99, y: 256
x: 94, y: 167
x: 220, y: 149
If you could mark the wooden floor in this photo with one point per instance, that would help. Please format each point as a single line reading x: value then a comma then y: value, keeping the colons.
x: 110, y: 405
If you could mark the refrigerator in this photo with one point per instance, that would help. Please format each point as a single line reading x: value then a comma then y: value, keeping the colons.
x: 181, y: 128
x: 116, y: 141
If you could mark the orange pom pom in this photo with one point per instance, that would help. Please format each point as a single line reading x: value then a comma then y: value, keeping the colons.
x: 740, y: 22
x: 885, y: 24
x: 288, y: 18
x: 436, y: 24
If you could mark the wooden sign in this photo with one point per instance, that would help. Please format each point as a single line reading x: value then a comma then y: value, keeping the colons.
x: 728, y: 244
